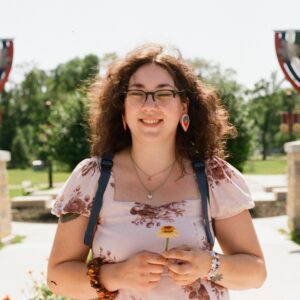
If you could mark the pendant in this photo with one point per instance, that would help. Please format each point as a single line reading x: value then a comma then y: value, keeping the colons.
x: 149, y: 196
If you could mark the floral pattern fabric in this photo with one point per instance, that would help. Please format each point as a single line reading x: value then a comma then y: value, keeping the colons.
x: 150, y: 216
x: 126, y: 228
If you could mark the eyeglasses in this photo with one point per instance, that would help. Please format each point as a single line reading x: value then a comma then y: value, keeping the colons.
x: 160, y: 97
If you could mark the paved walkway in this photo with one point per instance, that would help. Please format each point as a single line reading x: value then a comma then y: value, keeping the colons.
x: 17, y: 260
x: 283, y: 263
x: 282, y: 257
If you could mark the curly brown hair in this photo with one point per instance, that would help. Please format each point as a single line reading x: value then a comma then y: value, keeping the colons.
x: 209, y: 126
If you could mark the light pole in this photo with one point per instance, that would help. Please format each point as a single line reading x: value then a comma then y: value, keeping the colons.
x: 49, y: 160
x: 289, y: 103
x: 290, y: 119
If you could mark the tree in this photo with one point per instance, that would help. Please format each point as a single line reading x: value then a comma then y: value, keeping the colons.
x: 69, y: 136
x: 231, y: 95
x: 19, y: 151
x: 8, y: 126
x: 29, y: 104
x: 74, y: 74
x: 68, y: 130
x: 264, y: 107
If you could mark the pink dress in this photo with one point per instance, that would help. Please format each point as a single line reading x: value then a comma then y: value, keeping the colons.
x: 125, y: 228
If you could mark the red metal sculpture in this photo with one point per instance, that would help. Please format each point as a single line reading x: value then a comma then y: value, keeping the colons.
x: 6, y: 58
x: 287, y: 44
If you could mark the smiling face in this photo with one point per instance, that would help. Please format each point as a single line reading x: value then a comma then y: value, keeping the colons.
x: 150, y: 121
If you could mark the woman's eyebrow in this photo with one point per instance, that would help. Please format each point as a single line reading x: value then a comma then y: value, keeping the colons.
x: 136, y: 85
x: 162, y: 85
x: 165, y: 85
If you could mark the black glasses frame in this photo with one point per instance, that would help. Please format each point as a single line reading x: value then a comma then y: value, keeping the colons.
x: 153, y: 93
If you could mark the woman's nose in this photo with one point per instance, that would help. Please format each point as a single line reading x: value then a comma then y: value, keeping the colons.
x: 150, y: 102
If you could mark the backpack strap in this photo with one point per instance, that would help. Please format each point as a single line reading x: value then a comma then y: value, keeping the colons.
x: 105, y: 170
x: 199, y: 167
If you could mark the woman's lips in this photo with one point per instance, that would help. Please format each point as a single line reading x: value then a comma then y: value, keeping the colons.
x: 151, y: 122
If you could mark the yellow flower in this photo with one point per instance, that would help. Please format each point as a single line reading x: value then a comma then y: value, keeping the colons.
x: 167, y: 232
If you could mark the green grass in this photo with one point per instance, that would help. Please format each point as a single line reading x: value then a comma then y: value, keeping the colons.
x: 14, y: 192
x: 282, y: 231
x: 16, y: 240
x: 16, y: 176
x: 293, y: 235
x: 39, y: 179
x: 273, y: 165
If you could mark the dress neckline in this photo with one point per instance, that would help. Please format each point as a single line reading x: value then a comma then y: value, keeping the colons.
x: 130, y: 202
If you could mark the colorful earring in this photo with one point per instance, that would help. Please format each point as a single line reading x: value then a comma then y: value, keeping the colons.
x: 185, y: 122
x: 124, y: 123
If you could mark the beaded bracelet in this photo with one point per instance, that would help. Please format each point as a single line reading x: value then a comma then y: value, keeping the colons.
x: 93, y: 269
x: 213, y: 274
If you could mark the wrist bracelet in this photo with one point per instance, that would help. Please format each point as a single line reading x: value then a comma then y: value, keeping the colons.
x: 213, y: 274
x: 93, y: 270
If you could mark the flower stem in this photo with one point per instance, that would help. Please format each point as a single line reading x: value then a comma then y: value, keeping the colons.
x: 167, y: 244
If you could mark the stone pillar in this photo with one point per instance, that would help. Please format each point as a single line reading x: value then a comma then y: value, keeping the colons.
x: 293, y: 199
x: 5, y: 211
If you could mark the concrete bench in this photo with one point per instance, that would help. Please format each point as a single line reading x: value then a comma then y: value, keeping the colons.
x: 32, y: 202
x: 263, y: 197
x: 267, y: 205
x: 27, y: 187
x: 270, y: 188
x: 281, y: 193
x: 52, y: 193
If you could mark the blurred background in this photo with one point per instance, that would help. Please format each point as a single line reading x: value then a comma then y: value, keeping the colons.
x: 60, y: 46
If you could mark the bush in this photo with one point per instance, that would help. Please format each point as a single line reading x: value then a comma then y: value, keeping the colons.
x: 20, y: 153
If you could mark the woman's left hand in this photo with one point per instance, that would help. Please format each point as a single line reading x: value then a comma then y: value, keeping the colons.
x: 187, y: 264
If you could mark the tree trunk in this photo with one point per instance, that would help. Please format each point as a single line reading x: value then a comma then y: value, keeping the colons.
x: 264, y: 137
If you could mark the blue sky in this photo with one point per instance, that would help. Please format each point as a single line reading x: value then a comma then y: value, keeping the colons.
x: 236, y: 34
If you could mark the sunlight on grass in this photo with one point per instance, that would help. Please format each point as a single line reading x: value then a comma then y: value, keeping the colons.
x: 39, y: 179
x: 273, y: 165
x: 14, y: 192
x: 16, y: 176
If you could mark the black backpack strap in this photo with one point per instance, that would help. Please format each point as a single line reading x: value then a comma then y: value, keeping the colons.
x: 106, y: 165
x: 199, y: 167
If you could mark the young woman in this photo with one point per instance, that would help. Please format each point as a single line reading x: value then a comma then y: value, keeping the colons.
x: 155, y: 116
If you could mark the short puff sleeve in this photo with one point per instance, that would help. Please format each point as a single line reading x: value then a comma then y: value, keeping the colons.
x: 77, y: 194
x: 228, y: 191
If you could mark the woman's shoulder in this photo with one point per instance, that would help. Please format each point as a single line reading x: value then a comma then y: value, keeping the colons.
x: 229, y: 191
x: 220, y: 171
x: 78, y: 191
x: 88, y: 166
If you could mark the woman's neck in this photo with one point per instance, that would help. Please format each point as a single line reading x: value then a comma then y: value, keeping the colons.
x: 152, y: 158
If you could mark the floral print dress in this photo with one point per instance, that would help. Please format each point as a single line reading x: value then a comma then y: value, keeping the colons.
x: 125, y: 228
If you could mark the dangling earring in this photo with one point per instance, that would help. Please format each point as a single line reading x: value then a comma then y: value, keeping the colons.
x: 124, y: 123
x: 185, y: 122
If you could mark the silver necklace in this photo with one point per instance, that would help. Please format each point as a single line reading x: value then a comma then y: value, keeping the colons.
x: 150, y: 192
x: 149, y: 177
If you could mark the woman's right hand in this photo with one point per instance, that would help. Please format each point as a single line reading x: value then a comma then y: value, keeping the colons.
x: 140, y: 272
